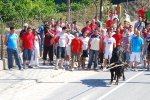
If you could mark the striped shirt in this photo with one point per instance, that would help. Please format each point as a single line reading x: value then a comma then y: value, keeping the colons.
x: 126, y: 43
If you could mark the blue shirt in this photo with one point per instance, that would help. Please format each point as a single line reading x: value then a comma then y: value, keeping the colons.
x: 137, y: 43
x: 12, y: 41
x: 41, y: 29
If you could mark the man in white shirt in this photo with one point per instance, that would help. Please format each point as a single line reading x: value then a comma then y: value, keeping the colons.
x: 109, y: 43
x: 68, y: 48
x: 61, y: 46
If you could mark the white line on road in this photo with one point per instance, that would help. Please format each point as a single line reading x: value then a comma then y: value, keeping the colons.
x: 119, y: 86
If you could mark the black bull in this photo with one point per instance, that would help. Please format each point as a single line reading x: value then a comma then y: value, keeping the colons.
x: 117, y: 64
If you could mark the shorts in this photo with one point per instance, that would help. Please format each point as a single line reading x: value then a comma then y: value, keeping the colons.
x: 27, y: 54
x: 68, y: 51
x: 85, y: 53
x: 108, y: 54
x: 41, y: 45
x: 74, y: 56
x: 135, y: 56
x: 61, y: 52
x: 148, y: 55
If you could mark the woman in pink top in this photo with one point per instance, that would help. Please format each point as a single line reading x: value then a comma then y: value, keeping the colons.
x: 101, y: 53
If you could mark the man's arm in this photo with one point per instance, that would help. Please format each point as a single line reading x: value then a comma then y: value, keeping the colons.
x: 6, y: 40
x: 89, y: 45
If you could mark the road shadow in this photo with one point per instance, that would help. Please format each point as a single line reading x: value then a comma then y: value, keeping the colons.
x: 146, y: 74
x: 95, y: 82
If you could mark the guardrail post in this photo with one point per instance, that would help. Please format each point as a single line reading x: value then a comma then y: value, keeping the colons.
x: 2, y: 26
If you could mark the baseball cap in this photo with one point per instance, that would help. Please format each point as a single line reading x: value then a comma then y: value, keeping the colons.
x: 25, y: 24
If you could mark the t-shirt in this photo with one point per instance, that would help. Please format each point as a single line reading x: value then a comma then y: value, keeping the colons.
x: 148, y: 15
x: 48, y: 40
x: 109, y: 44
x: 28, y: 40
x: 88, y: 29
x: 76, y: 44
x: 137, y: 43
x: 140, y: 25
x: 93, y: 26
x: 109, y: 23
x: 94, y: 44
x: 71, y: 37
x: 85, y: 42
x: 141, y: 12
x: 12, y: 41
x: 62, y: 39
x: 118, y: 37
x: 101, y: 45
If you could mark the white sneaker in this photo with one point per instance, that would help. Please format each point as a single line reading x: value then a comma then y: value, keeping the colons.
x: 72, y: 69
x: 56, y: 68
x: 62, y: 67
x: 135, y: 69
x: 104, y: 69
x: 129, y: 69
x: 79, y: 68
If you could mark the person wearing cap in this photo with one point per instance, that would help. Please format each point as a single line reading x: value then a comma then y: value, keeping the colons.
x: 34, y: 59
x: 25, y: 26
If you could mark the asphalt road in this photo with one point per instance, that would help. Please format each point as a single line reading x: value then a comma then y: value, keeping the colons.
x: 89, y: 85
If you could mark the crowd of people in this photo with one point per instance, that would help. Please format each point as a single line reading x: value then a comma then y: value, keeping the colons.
x: 70, y: 44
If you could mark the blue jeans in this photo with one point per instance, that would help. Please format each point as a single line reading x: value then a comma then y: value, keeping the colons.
x: 27, y: 54
x: 128, y: 56
x: 10, y: 53
x: 92, y: 53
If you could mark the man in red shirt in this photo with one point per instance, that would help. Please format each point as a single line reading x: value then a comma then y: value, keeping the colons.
x: 27, y: 45
x: 93, y: 25
x: 76, y: 48
x: 142, y: 12
x: 87, y: 28
x: 109, y: 23
x: 118, y: 37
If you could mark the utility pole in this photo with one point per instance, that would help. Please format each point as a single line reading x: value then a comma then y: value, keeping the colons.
x: 68, y: 11
x: 101, y: 5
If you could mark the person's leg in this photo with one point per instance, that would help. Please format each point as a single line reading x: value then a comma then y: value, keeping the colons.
x: 45, y: 54
x: 51, y: 54
x: 36, y: 53
x: 58, y: 54
x: 96, y: 59
x: 137, y: 60
x: 16, y: 56
x: 132, y: 57
x: 25, y: 54
x: 73, y: 57
x: 79, y: 59
x: 30, y: 56
x: 10, y: 62
x: 90, y: 58
x: 41, y: 48
x: 106, y: 58
x: 63, y: 54
x: 101, y: 58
